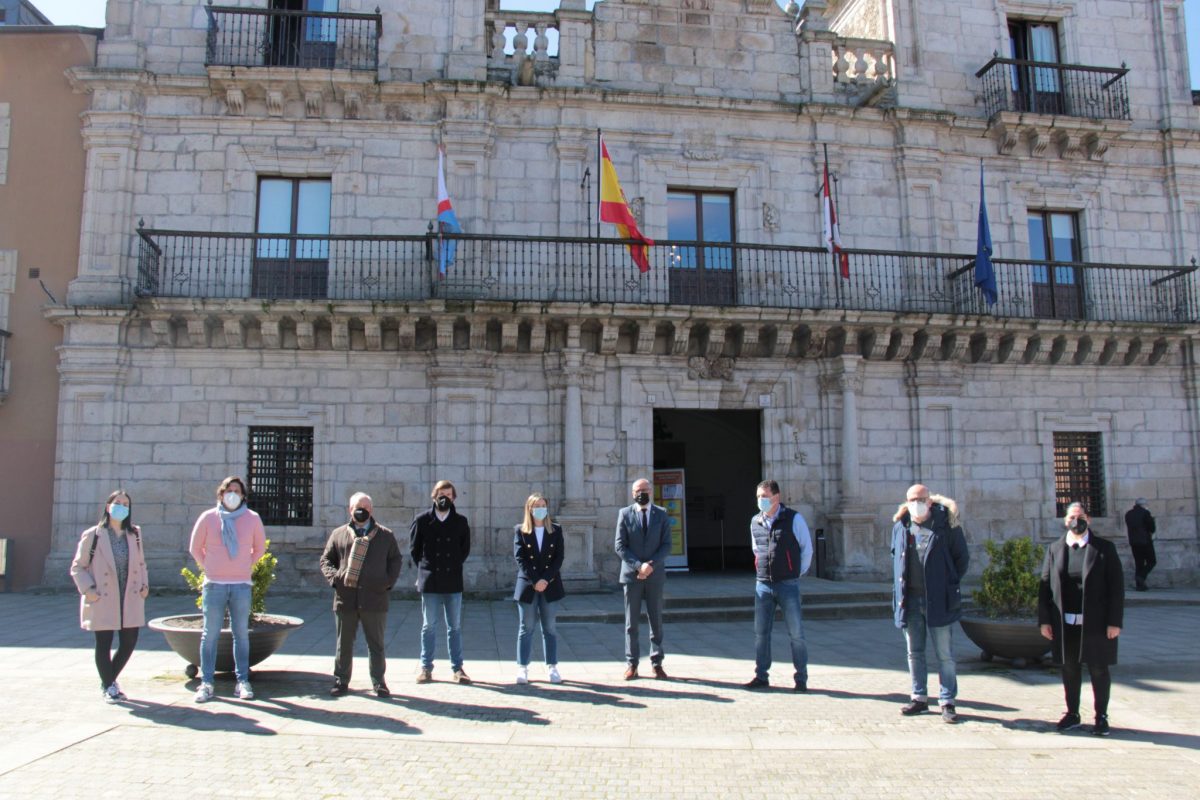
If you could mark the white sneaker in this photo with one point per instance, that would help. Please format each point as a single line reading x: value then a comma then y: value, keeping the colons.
x: 204, y: 693
x: 108, y: 695
x: 116, y: 688
x: 554, y: 676
x: 522, y: 675
x: 243, y: 691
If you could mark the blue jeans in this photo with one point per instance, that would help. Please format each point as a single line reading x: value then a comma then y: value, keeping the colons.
x: 529, y: 614
x: 450, y: 607
x: 786, y: 595
x: 216, y: 598
x: 915, y: 632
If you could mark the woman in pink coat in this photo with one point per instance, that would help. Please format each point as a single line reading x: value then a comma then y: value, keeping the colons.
x: 110, y: 571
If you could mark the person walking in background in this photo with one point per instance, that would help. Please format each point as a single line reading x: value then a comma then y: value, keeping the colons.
x: 538, y: 551
x: 929, y: 559
x: 643, y: 542
x: 361, y: 562
x: 109, y: 569
x: 439, y: 543
x: 782, y: 553
x: 1081, y: 608
x: 1139, y: 524
x: 226, y: 542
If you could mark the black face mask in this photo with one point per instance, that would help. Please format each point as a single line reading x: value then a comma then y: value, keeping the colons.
x: 361, y: 515
x: 443, y: 503
x: 642, y: 498
x: 1081, y: 525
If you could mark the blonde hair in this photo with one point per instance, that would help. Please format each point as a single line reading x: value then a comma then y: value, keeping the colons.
x: 527, y: 525
x: 437, y: 487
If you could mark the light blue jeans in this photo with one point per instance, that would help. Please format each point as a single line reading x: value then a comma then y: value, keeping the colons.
x: 449, y: 607
x: 528, y: 615
x: 216, y: 598
x: 786, y: 595
x: 915, y: 633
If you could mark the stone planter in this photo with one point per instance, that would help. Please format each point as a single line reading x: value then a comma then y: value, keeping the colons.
x: 1018, y: 640
x: 184, y: 639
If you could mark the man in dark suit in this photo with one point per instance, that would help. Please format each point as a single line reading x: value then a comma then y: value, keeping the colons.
x: 1139, y: 523
x: 643, y: 543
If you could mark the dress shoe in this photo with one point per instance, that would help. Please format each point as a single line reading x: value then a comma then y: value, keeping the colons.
x: 659, y: 672
x: 339, y: 689
x: 801, y: 687
x: 381, y: 690
x: 756, y: 683
x: 914, y: 708
x: 630, y: 673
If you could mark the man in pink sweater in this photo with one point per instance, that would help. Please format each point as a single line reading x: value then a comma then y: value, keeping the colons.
x: 226, y: 542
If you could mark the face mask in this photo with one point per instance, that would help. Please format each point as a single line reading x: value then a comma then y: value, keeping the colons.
x: 917, y: 509
x: 442, y: 503
x: 361, y: 515
x: 764, y: 504
x: 642, y: 498
x: 231, y: 500
x: 540, y: 513
x: 1080, y: 526
x: 118, y: 512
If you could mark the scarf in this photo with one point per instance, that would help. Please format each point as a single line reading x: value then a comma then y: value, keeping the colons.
x: 228, y: 532
x: 358, y: 554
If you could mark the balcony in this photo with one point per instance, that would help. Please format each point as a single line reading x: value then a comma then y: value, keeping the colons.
x: 255, y: 37
x: 1052, y: 89
x: 530, y: 269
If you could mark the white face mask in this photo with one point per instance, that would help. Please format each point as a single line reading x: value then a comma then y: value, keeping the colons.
x: 917, y: 509
x: 231, y: 500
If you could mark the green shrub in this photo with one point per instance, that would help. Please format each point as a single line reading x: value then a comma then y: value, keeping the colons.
x: 261, y: 578
x: 1009, y: 587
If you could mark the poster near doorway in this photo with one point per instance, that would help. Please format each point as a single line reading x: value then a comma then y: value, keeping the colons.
x: 669, y: 493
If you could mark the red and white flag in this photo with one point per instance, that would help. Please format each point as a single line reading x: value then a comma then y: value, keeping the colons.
x: 833, y: 238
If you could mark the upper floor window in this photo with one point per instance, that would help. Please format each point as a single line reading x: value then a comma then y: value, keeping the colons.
x: 302, y: 41
x: 280, y: 474
x: 1036, y: 89
x: 1057, y: 291
x: 702, y: 275
x: 292, y: 267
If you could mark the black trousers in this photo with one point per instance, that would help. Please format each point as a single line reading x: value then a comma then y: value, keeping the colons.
x: 1072, y: 674
x: 373, y: 624
x: 107, y: 664
x: 1143, y: 560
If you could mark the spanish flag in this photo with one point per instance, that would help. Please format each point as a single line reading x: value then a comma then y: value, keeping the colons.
x: 615, y: 209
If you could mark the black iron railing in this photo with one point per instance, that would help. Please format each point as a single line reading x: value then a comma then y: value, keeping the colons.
x: 257, y: 37
x: 1044, y: 87
x: 3, y: 361
x: 516, y: 268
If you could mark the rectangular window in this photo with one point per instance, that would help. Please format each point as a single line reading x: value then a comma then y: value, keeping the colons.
x: 702, y: 275
x: 1057, y: 291
x: 1035, y: 88
x: 302, y: 40
x: 292, y: 267
x: 1078, y: 472
x: 280, y: 475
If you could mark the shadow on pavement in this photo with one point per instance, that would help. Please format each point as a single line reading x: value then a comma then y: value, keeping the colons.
x: 195, y: 718
x: 340, y: 718
x: 589, y: 693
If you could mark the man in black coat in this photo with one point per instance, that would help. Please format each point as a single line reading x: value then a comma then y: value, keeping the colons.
x: 1139, y: 523
x: 361, y: 562
x: 643, y: 542
x: 439, y: 543
x: 1081, y: 607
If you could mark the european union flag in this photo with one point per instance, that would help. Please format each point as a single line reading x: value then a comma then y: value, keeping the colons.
x: 985, y: 276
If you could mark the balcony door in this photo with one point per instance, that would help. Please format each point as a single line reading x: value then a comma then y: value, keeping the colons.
x: 291, y: 267
x: 1057, y: 291
x: 701, y: 275
x: 1035, y: 89
x: 301, y: 41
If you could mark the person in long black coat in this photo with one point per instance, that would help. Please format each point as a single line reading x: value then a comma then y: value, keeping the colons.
x: 538, y: 551
x: 1081, y: 607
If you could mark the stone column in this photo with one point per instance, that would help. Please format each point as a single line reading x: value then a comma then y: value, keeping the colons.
x: 577, y: 513
x: 851, y: 384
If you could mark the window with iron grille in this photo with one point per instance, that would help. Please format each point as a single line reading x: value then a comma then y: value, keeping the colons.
x: 280, y: 474
x: 1078, y: 472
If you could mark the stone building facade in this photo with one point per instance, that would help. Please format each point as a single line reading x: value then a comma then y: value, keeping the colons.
x: 330, y: 357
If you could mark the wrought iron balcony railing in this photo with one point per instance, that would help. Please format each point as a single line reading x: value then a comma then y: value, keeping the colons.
x: 258, y: 37
x: 1044, y: 87
x: 515, y: 268
x: 4, y: 362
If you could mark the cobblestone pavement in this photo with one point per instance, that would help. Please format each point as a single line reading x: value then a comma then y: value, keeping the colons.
x: 697, y: 735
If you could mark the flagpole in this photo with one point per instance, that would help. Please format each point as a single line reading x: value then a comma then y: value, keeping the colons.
x: 441, y: 243
x: 599, y: 200
x: 837, y: 285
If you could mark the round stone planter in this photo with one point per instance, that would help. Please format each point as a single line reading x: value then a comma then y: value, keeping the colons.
x: 184, y: 638
x: 1017, y: 640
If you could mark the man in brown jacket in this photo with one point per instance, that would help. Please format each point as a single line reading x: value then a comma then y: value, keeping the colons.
x: 361, y: 562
